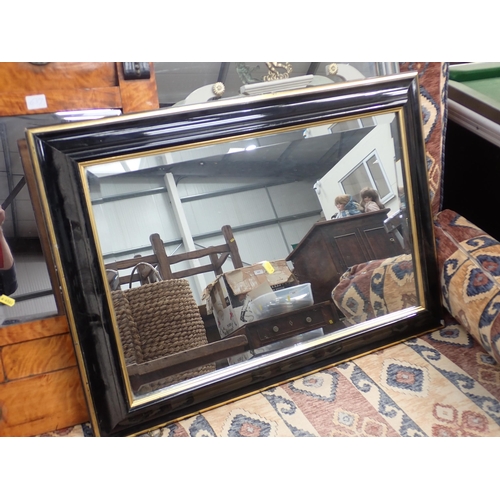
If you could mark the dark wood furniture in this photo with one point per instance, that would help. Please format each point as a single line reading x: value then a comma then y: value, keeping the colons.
x: 266, y: 331
x: 193, y: 358
x: 330, y: 247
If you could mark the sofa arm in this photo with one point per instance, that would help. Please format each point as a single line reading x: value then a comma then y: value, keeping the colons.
x: 469, y: 265
x: 375, y: 288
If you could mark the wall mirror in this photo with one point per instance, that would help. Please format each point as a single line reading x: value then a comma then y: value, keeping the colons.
x: 202, y: 254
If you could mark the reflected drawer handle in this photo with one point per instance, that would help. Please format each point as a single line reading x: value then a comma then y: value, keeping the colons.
x: 308, y: 319
x: 276, y: 329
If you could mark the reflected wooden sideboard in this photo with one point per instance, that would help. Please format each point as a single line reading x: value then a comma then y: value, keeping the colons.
x: 330, y: 247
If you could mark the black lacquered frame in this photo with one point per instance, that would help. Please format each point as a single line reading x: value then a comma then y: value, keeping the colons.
x: 58, y: 153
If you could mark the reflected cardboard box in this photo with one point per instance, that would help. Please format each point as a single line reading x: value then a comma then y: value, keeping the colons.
x: 229, y: 295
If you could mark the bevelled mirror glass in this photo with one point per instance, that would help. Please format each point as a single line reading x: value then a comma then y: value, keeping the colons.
x: 211, y: 250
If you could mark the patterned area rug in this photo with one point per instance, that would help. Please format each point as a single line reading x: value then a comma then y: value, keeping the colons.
x: 440, y: 384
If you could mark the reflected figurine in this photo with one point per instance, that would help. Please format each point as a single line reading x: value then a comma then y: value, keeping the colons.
x: 8, y: 280
x: 370, y: 200
x: 245, y: 73
x: 346, y: 206
x: 402, y: 198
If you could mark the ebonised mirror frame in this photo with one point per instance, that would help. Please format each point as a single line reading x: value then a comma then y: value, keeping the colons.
x: 61, y: 154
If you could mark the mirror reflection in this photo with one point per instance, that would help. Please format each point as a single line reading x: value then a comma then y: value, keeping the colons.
x: 223, y: 252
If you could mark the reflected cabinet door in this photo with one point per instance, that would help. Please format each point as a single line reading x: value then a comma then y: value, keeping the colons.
x: 331, y: 247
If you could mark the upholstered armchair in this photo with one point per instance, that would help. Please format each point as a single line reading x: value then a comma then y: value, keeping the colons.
x: 469, y: 258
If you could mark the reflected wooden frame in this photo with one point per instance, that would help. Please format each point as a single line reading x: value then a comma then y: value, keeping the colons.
x: 60, y: 155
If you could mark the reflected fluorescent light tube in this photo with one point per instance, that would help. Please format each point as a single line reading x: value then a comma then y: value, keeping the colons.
x: 88, y: 114
x: 239, y: 150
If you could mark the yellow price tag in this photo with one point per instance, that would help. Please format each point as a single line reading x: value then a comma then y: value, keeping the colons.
x: 8, y: 301
x: 268, y: 267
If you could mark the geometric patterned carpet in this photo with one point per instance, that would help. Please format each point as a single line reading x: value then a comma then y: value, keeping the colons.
x: 440, y: 384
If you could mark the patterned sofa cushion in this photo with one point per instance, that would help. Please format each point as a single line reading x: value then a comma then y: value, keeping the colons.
x: 372, y: 289
x: 433, y: 80
x: 469, y: 263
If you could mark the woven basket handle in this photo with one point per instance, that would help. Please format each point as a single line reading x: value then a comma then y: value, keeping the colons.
x: 155, y: 272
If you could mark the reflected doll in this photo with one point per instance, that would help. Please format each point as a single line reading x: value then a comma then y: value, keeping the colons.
x: 370, y: 200
x: 346, y: 206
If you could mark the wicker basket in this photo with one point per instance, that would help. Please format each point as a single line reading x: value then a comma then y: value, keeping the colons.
x: 156, y: 320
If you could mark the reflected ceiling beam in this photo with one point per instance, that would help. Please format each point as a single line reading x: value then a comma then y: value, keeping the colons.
x: 147, y: 249
x: 223, y: 71
x: 313, y: 67
x: 262, y: 223
x: 128, y: 196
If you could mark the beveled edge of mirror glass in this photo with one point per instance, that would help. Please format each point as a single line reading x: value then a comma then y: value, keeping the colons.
x: 371, y: 325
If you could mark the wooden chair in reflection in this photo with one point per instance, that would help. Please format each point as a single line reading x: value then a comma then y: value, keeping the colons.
x: 146, y: 372
x: 218, y: 255
x: 163, y: 263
